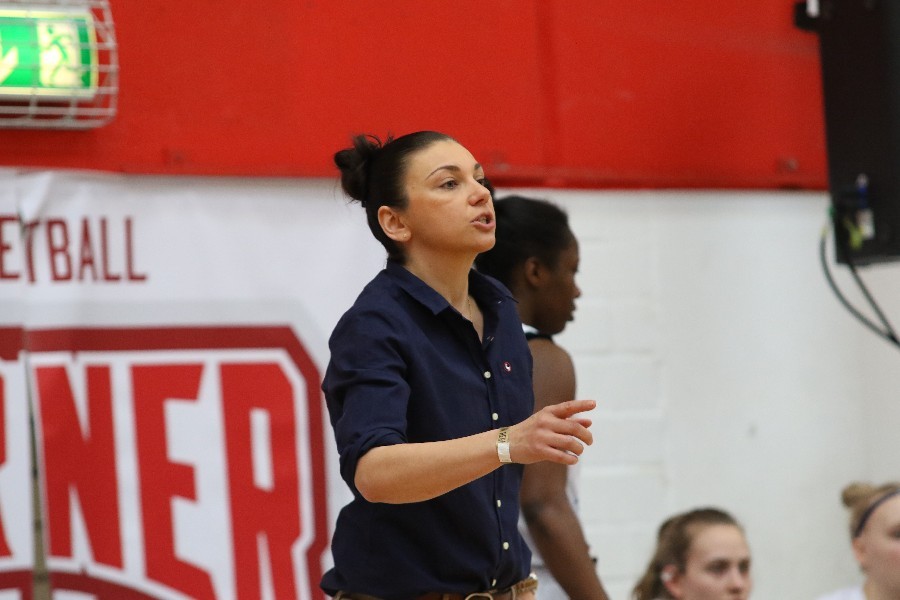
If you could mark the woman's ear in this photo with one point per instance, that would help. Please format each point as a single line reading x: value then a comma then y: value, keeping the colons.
x: 859, y: 551
x: 671, y: 578
x: 533, y: 270
x: 393, y: 225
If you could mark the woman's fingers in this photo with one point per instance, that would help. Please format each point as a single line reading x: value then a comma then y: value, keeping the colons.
x: 564, y: 410
x: 554, y: 433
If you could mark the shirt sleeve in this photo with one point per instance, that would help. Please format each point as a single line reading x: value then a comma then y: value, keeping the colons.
x: 365, y: 388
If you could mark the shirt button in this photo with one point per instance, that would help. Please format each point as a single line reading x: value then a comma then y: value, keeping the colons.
x: 493, y: 583
x: 495, y: 416
x: 499, y: 503
x: 487, y: 374
x: 506, y: 545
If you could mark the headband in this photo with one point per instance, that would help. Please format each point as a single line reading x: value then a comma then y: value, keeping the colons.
x: 868, y: 512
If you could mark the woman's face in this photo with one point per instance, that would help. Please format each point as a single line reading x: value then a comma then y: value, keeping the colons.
x: 449, y: 210
x: 717, y: 567
x: 556, y: 298
x: 878, y: 547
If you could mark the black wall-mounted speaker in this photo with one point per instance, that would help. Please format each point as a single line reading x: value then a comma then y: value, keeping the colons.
x: 859, y: 43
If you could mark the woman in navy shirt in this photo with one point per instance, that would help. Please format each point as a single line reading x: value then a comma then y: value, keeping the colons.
x: 429, y: 390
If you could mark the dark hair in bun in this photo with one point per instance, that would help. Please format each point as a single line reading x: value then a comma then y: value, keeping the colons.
x: 526, y: 227
x: 373, y: 173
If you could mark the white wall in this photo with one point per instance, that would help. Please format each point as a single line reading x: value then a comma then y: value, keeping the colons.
x: 726, y: 371
x: 728, y: 374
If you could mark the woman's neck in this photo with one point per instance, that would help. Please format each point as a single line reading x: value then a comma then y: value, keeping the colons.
x: 525, y: 309
x: 875, y: 592
x: 448, y: 278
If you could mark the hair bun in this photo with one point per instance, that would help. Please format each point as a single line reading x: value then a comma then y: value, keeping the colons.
x: 856, y: 492
x: 354, y: 163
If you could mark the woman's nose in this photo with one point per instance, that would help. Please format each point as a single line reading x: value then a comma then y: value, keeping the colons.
x: 479, y: 193
x: 738, y: 580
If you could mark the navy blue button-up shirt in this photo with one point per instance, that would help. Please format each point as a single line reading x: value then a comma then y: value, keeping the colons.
x: 407, y: 367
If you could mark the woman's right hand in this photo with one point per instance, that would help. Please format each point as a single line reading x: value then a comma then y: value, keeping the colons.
x: 554, y: 433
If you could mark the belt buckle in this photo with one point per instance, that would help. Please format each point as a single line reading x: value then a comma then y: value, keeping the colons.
x: 488, y: 595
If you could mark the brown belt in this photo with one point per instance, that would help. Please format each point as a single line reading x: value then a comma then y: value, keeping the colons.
x: 526, y: 585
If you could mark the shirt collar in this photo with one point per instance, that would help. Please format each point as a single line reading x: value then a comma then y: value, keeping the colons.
x: 485, y: 290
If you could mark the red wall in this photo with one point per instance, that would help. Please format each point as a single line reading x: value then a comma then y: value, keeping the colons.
x: 597, y: 93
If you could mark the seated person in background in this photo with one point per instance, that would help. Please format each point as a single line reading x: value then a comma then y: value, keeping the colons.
x: 701, y: 554
x: 875, y: 537
x: 536, y: 257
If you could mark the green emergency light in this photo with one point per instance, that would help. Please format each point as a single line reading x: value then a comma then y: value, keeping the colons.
x: 48, y: 53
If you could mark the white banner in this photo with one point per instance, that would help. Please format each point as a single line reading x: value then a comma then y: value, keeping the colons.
x: 17, y: 541
x: 173, y: 335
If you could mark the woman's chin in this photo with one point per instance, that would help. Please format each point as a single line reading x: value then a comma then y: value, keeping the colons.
x: 486, y: 245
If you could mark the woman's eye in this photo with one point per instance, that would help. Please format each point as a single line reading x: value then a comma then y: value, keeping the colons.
x: 718, y: 568
x: 449, y: 184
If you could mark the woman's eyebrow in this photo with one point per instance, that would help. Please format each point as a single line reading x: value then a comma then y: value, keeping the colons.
x: 454, y: 168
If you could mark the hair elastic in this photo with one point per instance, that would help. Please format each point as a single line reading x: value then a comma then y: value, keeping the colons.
x: 868, y: 512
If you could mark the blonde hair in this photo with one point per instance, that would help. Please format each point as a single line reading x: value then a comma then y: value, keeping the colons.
x: 861, y: 499
x: 673, y: 541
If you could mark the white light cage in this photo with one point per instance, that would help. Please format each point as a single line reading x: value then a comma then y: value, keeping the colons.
x: 59, y: 65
